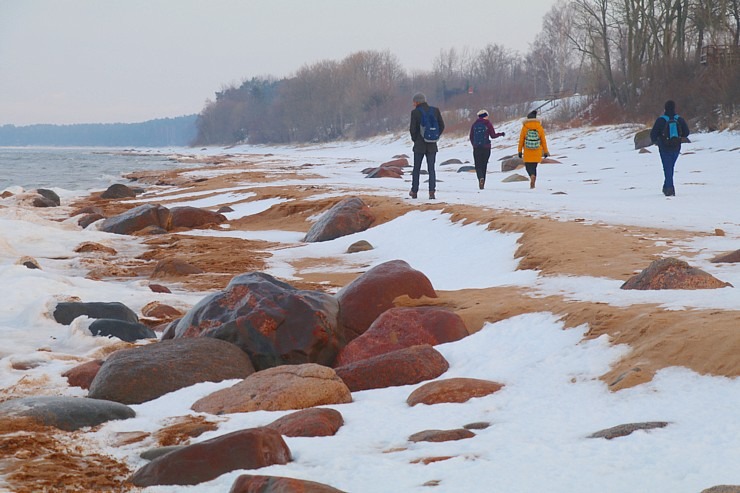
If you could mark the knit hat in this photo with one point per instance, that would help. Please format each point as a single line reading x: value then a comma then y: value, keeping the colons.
x: 482, y: 113
x: 670, y: 107
x: 532, y: 114
x: 420, y: 98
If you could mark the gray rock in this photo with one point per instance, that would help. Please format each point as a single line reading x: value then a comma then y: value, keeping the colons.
x: 626, y: 429
x: 126, y: 331
x: 66, y: 413
x: 66, y: 312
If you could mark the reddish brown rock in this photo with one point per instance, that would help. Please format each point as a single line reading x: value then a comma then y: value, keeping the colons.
x: 314, y: 422
x: 158, y: 288
x: 193, y: 217
x: 359, y: 246
x: 271, y: 321
x: 452, y: 390
x: 140, y: 374
x: 245, y: 449
x: 385, y: 172
x: 441, y: 435
x: 401, y: 367
x: 399, y: 328
x: 137, y: 219
x: 91, y: 247
x: 174, y: 267
x: 83, y: 375
x: 279, y: 389
x: 276, y: 484
x: 87, y: 210
x: 351, y: 215
x: 730, y: 258
x: 671, y: 273
x: 118, y: 191
x: 396, y: 163
x: 372, y: 293
x: 160, y: 311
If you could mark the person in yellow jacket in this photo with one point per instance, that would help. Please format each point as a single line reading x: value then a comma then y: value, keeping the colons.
x: 532, y: 145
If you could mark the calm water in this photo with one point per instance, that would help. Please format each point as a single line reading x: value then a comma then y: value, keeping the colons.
x: 72, y: 168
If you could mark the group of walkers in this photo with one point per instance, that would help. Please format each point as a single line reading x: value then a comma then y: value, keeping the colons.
x: 427, y: 125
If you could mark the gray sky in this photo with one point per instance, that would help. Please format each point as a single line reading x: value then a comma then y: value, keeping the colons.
x: 89, y: 61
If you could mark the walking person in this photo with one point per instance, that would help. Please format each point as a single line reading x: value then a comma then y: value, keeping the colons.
x: 532, y: 145
x: 667, y: 132
x: 481, y: 133
x: 426, y: 127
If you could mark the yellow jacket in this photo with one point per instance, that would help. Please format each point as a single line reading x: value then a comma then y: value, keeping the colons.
x: 532, y: 155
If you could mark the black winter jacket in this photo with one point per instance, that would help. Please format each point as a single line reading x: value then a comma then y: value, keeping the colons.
x: 415, y: 129
x: 656, y: 134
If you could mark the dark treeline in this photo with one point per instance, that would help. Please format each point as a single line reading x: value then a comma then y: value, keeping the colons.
x: 180, y: 131
x: 626, y: 56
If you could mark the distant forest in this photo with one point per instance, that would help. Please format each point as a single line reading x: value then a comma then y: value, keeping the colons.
x: 625, y: 57
x: 180, y: 131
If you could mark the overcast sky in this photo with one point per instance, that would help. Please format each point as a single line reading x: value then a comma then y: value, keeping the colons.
x: 89, y: 61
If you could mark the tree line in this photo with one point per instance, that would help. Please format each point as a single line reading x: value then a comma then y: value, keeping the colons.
x: 625, y: 56
x: 162, y: 132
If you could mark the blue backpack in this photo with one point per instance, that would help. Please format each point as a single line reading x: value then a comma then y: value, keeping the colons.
x: 429, y: 125
x: 671, y: 131
x: 480, y: 134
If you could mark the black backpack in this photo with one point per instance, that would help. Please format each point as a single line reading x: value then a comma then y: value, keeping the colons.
x: 429, y: 124
x: 671, y: 131
x: 480, y: 134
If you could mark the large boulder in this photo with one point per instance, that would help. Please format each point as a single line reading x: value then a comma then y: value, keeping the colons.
x: 245, y: 449
x: 66, y: 312
x: 140, y: 374
x: 137, y: 219
x: 279, y: 389
x: 247, y: 483
x: 406, y: 366
x: 193, y: 217
x: 372, y: 293
x: 399, y: 328
x: 313, y: 422
x: 273, y: 322
x: 671, y: 273
x: 351, y: 215
x: 65, y: 413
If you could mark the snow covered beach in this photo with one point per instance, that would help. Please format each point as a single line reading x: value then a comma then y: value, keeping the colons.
x: 535, y: 274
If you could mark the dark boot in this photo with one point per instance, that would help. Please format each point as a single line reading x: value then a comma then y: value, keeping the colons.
x: 431, y: 195
x: 412, y: 194
x: 481, y: 183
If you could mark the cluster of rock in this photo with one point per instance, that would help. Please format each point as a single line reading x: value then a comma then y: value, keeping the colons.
x: 291, y: 349
x: 41, y: 197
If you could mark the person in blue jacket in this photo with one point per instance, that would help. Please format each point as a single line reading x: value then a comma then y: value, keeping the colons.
x: 481, y: 133
x: 669, y: 148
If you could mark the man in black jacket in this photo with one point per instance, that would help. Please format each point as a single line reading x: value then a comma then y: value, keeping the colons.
x: 422, y: 147
x: 668, y: 151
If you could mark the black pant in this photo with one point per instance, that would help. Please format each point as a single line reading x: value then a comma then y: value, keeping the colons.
x: 480, y: 158
x: 531, y: 168
x: 416, y: 171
